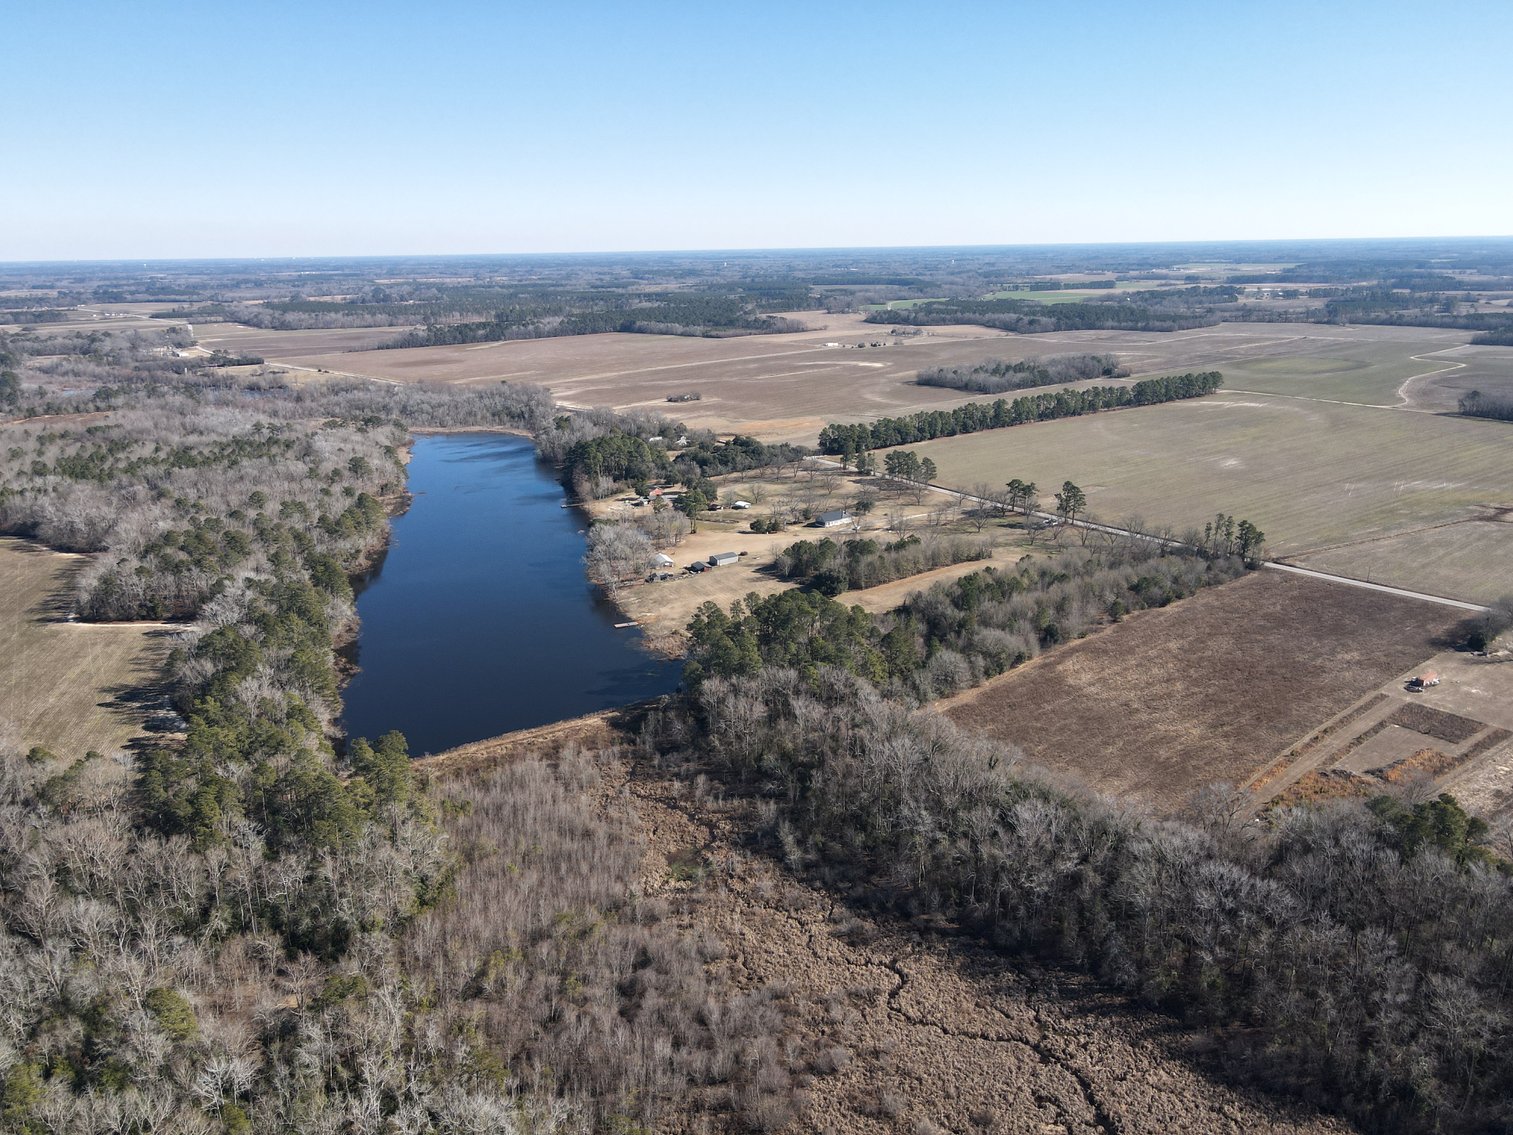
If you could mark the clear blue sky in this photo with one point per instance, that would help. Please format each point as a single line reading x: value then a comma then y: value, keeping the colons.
x: 267, y: 128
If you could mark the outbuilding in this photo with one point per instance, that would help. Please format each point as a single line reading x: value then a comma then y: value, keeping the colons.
x: 722, y: 559
x: 662, y: 560
x: 740, y: 504
x: 832, y: 519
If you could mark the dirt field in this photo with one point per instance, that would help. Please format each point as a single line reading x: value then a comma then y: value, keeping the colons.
x: 1455, y: 737
x: 239, y: 340
x: 779, y: 387
x: 785, y: 387
x: 1209, y: 689
x: 1318, y: 477
x: 68, y: 687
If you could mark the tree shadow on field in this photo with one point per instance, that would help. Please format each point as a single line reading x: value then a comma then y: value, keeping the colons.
x: 146, y: 706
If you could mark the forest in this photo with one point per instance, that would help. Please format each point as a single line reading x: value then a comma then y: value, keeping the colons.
x: 994, y: 376
x: 1176, y: 309
x: 1478, y: 405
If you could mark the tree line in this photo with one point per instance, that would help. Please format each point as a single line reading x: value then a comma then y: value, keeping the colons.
x: 1175, y: 309
x: 1478, y: 405
x: 832, y: 567
x: 953, y: 635
x: 852, y: 439
x: 994, y: 376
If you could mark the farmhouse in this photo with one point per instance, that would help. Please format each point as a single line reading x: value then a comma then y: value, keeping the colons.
x: 832, y: 519
x: 721, y: 559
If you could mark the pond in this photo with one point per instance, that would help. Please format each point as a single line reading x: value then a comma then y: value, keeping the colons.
x: 480, y: 619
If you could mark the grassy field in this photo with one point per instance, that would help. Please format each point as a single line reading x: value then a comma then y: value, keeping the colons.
x: 1316, y: 476
x: 1208, y: 689
x: 68, y: 687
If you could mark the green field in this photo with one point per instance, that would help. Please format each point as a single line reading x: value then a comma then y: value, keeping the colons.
x: 1316, y: 476
x: 1079, y: 295
x: 1317, y: 365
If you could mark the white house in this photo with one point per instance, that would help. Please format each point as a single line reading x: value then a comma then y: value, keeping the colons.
x: 832, y: 519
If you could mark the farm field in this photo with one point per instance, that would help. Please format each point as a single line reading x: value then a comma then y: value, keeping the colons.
x: 1454, y: 737
x: 1317, y: 477
x: 236, y: 339
x: 778, y: 387
x: 786, y: 387
x: 1488, y: 369
x: 1474, y: 557
x: 1350, y: 363
x: 65, y: 686
x: 1207, y: 690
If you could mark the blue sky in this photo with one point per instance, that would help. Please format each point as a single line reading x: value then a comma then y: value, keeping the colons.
x: 267, y: 129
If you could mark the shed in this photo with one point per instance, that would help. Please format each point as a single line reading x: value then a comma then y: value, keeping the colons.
x: 662, y: 560
x: 740, y: 504
x: 832, y: 519
x: 721, y: 559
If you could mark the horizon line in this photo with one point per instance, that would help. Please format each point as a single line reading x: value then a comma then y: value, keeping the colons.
x: 766, y: 249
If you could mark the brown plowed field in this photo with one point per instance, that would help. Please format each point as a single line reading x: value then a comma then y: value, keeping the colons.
x: 1209, y: 689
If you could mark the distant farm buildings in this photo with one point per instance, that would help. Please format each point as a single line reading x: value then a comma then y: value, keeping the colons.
x: 832, y: 519
x: 722, y: 559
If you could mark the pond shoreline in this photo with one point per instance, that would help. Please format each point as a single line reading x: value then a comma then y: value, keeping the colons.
x: 478, y: 618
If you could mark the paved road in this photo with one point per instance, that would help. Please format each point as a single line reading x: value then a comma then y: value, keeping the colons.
x: 1345, y: 579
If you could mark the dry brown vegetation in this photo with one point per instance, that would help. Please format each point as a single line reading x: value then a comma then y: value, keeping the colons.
x: 68, y: 687
x: 777, y: 387
x: 778, y: 1007
x: 1209, y: 689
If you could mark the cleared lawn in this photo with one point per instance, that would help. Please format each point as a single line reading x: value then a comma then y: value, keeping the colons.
x: 1208, y: 689
x: 1314, y: 475
x: 68, y: 687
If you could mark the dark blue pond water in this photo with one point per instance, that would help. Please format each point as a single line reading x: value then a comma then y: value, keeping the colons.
x: 480, y: 619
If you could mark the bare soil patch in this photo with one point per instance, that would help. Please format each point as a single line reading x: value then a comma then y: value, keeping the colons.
x: 1209, y: 689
